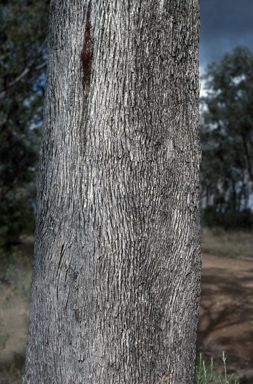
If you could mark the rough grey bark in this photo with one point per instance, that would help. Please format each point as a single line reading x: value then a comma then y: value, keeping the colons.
x: 116, y: 278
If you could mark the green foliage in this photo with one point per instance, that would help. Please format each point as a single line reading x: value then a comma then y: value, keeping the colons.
x: 227, y: 132
x: 22, y: 77
x: 229, y: 220
x: 207, y: 374
x: 16, y: 217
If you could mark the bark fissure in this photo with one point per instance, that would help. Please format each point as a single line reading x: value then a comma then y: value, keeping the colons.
x: 86, y: 54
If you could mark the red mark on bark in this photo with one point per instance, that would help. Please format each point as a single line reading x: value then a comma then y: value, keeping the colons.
x: 87, y: 52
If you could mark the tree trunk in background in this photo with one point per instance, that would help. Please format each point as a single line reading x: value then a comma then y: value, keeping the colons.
x: 116, y: 279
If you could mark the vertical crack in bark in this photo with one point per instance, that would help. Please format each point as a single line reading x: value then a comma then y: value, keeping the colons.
x: 86, y: 54
x: 59, y: 268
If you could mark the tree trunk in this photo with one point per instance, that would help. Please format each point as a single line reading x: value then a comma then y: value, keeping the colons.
x: 116, y: 279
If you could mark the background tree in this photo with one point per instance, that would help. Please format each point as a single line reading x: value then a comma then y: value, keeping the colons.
x: 227, y: 134
x: 22, y: 79
x: 116, y: 278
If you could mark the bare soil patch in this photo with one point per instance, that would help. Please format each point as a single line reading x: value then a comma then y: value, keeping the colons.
x: 226, y: 313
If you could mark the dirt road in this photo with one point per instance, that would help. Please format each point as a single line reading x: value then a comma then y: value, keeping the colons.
x: 226, y: 313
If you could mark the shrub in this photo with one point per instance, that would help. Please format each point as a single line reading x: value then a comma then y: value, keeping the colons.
x: 229, y: 219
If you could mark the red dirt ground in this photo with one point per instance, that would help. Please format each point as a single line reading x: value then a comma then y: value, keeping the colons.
x: 226, y: 313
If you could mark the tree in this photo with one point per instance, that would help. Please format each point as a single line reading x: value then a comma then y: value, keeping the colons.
x: 227, y: 131
x: 116, y: 279
x: 22, y: 69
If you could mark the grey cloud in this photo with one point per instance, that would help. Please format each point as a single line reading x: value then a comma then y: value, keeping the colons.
x: 224, y: 25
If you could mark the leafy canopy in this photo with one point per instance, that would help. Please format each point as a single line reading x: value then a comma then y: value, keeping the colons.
x: 227, y: 131
x: 23, y: 26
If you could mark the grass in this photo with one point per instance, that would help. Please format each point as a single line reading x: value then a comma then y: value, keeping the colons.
x: 233, y: 244
x: 209, y: 374
x: 11, y: 375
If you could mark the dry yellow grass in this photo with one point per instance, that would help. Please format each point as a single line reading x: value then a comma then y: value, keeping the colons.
x: 231, y: 244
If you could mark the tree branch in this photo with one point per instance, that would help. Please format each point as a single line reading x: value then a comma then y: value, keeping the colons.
x: 25, y: 71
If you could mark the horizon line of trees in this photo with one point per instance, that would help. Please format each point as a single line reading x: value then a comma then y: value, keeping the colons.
x: 227, y: 141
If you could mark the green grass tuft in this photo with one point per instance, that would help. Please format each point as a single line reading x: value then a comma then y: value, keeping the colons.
x: 209, y: 374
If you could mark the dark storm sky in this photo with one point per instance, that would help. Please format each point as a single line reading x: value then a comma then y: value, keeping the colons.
x: 224, y: 25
